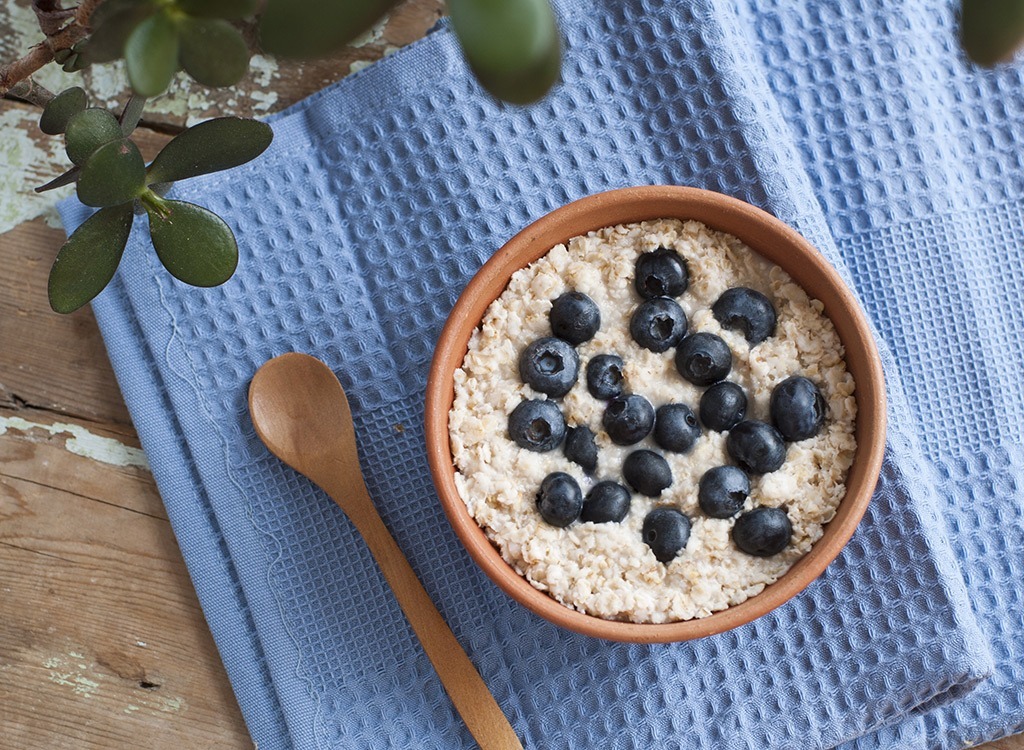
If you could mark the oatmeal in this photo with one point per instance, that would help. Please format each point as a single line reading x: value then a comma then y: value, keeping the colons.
x: 653, y: 422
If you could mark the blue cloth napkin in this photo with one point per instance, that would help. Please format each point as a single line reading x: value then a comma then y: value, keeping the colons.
x: 860, y: 124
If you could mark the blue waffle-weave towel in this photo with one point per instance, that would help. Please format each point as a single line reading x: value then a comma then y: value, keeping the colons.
x: 860, y: 124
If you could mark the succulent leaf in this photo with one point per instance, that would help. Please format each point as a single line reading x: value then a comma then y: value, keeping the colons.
x: 229, y: 9
x: 210, y: 146
x: 87, y: 131
x: 213, y: 51
x: 991, y: 30
x: 115, y: 173
x: 112, y: 23
x: 151, y: 54
x: 62, y: 108
x: 193, y: 243
x: 87, y: 261
x: 316, y: 27
x: 512, y: 46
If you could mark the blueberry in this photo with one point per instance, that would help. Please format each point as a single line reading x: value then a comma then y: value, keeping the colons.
x: 756, y: 446
x: 722, y: 491
x: 628, y: 419
x: 647, y: 472
x: 658, y: 324
x: 747, y: 311
x: 604, y: 376
x: 537, y: 425
x: 676, y: 428
x: 550, y: 366
x: 723, y: 406
x: 606, y: 502
x: 574, y: 317
x: 560, y: 499
x: 798, y: 409
x: 703, y: 358
x: 666, y: 531
x: 762, y: 531
x: 661, y: 273
x: 580, y: 448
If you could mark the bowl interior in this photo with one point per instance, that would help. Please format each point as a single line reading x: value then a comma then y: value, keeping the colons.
x: 767, y: 236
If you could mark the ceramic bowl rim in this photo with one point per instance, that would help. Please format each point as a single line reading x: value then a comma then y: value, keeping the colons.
x: 771, y: 238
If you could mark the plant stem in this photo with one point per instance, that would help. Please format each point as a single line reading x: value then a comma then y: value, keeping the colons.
x: 31, y: 92
x: 84, y: 11
x: 151, y: 200
x: 20, y: 69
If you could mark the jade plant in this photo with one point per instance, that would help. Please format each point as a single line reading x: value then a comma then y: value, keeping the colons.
x: 513, y: 48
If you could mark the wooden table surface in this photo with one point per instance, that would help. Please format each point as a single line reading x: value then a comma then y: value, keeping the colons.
x: 102, y: 641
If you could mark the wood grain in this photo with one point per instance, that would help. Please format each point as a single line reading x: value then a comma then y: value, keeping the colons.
x: 102, y: 641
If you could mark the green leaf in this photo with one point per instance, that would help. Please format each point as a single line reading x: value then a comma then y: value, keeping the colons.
x: 62, y: 108
x: 194, y: 244
x: 112, y: 23
x: 114, y: 174
x: 210, y: 146
x: 316, y: 27
x: 513, y: 46
x: 87, y: 131
x: 991, y: 30
x: 213, y: 51
x: 230, y: 9
x: 87, y: 261
x: 132, y: 113
x: 151, y: 55
x: 61, y: 180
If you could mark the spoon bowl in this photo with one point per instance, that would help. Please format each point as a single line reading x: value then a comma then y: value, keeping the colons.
x: 301, y: 414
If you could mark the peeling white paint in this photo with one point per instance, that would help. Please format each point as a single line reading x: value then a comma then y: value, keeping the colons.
x: 355, y: 67
x: 27, y: 164
x: 130, y: 709
x: 61, y: 674
x: 82, y: 442
x: 171, y: 704
x: 264, y: 100
x: 263, y: 70
x: 372, y: 34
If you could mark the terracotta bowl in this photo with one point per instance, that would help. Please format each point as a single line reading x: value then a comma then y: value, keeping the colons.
x: 772, y: 239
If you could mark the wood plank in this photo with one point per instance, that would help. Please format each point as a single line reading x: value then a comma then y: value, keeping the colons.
x: 48, y: 360
x: 270, y: 85
x: 102, y: 641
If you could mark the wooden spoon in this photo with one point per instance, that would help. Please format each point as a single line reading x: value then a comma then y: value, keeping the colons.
x: 302, y: 415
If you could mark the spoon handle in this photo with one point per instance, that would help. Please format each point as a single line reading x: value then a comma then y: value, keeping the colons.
x: 474, y: 702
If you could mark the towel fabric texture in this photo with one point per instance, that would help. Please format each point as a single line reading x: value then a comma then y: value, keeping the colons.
x: 857, y: 122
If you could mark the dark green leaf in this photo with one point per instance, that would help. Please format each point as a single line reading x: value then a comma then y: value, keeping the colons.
x: 513, y: 46
x: 65, y: 179
x: 89, y: 258
x: 114, y: 174
x: 87, y: 131
x: 229, y: 9
x: 194, y: 244
x: 62, y: 108
x: 213, y: 51
x: 112, y: 23
x: 991, y: 30
x: 132, y: 113
x: 316, y: 27
x: 151, y: 55
x: 210, y: 146
x: 74, y: 63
